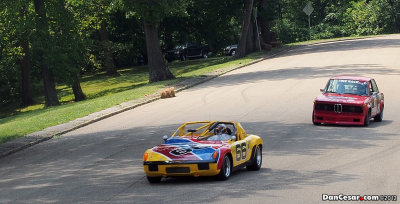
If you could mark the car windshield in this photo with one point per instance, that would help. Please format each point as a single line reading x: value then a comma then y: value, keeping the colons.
x: 347, y: 86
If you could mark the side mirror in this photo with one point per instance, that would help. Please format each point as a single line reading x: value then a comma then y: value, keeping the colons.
x: 165, y: 137
x: 233, y: 138
x: 322, y: 90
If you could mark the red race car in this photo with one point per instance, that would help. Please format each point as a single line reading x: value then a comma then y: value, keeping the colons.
x: 348, y: 100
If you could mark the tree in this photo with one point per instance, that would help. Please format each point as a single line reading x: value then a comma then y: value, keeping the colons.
x: 71, y: 50
x: 17, y: 21
x: 248, y: 11
x: 153, y: 12
x: 43, y: 47
x: 95, y: 16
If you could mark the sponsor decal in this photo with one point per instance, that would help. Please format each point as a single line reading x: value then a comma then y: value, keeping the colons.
x: 180, y: 151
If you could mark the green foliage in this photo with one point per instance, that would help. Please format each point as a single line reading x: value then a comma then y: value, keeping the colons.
x: 326, y: 31
x: 154, y: 11
x: 16, y: 25
x: 363, y: 18
x: 289, y: 31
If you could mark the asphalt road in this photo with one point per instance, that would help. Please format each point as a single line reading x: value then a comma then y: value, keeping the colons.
x: 102, y: 162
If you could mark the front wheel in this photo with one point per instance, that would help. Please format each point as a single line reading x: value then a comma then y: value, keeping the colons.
x: 367, y: 119
x: 256, y: 161
x: 225, y: 169
x: 379, y: 117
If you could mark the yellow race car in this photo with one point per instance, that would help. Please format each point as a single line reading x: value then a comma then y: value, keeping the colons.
x: 206, y: 148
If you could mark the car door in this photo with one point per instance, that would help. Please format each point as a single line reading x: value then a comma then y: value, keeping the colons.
x: 373, y: 96
x: 240, y: 150
x: 378, y: 97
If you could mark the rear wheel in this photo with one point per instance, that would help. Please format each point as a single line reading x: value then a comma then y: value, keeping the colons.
x: 204, y: 55
x: 233, y: 52
x: 225, y: 169
x: 367, y: 118
x: 256, y: 161
x: 379, y: 117
x: 154, y: 179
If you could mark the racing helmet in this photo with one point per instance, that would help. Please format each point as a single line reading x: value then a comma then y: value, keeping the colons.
x: 220, y: 129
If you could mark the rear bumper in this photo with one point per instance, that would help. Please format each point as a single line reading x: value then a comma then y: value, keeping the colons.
x: 339, y: 118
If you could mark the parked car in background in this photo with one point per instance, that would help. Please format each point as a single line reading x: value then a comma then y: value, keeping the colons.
x: 230, y: 50
x: 187, y: 51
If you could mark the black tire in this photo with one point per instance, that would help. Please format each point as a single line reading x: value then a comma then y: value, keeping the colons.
x: 154, y: 179
x: 315, y: 123
x: 379, y: 117
x: 233, y: 52
x: 226, y: 169
x: 256, y: 161
x: 367, y: 119
x: 204, y: 55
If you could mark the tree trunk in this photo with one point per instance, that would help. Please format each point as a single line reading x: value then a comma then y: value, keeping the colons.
x: 158, y: 70
x: 248, y: 8
x: 25, y: 75
x: 108, y: 61
x: 77, y: 89
x: 25, y: 63
x: 48, y: 79
x: 49, y: 86
x: 252, y: 38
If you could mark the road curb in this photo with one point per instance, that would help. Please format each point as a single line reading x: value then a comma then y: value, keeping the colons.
x: 32, y: 139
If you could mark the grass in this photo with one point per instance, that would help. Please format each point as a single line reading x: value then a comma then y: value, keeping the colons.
x: 103, y: 92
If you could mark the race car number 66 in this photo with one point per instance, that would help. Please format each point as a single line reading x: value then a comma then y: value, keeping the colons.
x: 241, y: 151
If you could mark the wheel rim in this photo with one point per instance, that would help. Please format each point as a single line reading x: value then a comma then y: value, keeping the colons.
x: 227, y: 167
x: 258, y: 156
x: 233, y: 53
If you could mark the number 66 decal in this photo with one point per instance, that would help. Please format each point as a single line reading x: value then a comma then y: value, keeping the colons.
x: 241, y: 151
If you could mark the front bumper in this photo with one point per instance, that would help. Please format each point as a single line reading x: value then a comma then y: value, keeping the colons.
x: 339, y: 118
x: 163, y: 169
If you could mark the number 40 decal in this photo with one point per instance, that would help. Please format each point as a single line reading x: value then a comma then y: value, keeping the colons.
x: 241, y: 151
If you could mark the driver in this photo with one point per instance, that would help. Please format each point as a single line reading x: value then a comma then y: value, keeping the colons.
x: 221, y: 133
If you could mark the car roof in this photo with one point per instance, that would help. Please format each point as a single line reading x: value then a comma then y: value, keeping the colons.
x: 358, y: 78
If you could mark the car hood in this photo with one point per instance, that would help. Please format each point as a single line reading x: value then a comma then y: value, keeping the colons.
x: 341, y: 98
x: 181, y: 149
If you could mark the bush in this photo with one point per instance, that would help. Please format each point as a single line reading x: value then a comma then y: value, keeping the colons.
x: 289, y: 32
x: 326, y: 31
